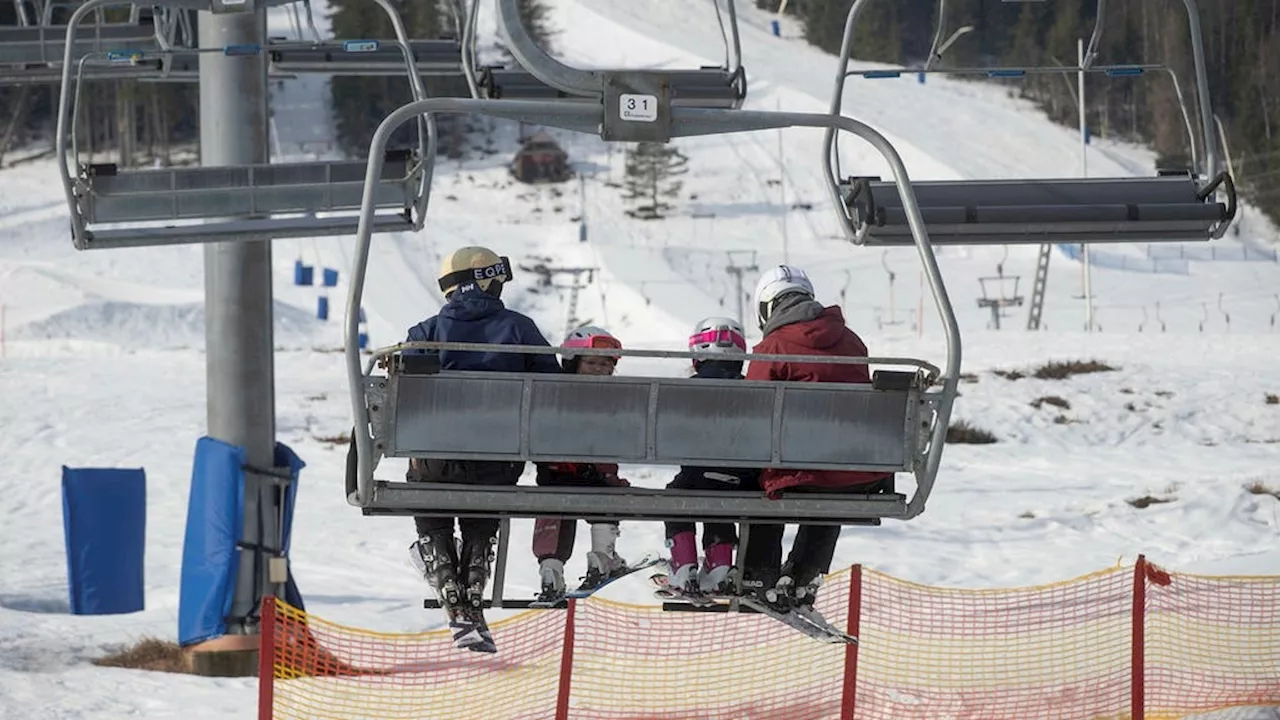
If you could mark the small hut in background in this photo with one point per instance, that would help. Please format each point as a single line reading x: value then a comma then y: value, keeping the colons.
x: 540, y: 160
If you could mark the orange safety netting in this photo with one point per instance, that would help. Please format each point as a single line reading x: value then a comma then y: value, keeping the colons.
x: 1120, y: 643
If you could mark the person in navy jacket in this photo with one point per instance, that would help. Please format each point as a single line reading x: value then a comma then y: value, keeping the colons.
x: 472, y: 279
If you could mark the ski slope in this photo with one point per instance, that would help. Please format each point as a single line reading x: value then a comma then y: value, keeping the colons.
x: 104, y: 362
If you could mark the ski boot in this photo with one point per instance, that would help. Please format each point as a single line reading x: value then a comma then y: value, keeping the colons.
x: 603, y: 562
x: 682, y: 571
x: 551, y: 571
x: 768, y: 588
x: 805, y: 593
x: 714, y: 578
x: 475, y: 563
x: 436, y: 557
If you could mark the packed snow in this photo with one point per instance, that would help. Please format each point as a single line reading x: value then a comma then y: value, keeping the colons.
x: 104, y: 366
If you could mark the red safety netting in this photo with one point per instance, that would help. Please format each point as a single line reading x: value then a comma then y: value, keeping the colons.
x: 1120, y: 643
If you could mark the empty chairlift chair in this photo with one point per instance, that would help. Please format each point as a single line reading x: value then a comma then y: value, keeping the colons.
x: 183, y: 205
x: 977, y: 212
x: 1173, y: 206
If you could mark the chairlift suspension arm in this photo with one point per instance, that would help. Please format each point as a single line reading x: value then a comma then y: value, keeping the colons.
x: 684, y: 122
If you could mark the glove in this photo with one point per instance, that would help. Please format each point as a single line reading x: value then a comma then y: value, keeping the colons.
x: 611, y: 479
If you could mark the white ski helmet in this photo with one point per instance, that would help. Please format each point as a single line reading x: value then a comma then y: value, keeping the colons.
x: 718, y: 334
x: 776, y: 282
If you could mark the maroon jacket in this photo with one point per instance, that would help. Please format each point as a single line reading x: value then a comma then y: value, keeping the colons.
x: 824, y: 335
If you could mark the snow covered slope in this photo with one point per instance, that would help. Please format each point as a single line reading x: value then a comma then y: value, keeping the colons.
x: 104, y: 365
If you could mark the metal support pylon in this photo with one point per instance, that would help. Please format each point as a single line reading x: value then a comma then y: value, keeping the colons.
x: 1038, y: 287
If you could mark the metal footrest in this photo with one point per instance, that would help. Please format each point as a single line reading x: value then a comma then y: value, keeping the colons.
x: 141, y: 198
x: 238, y: 230
x: 46, y: 44
x: 712, y: 87
x: 628, y: 503
x: 366, y: 57
x: 975, y: 212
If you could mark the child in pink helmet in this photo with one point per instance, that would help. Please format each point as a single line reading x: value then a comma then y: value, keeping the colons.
x: 724, y: 336
x: 553, y: 539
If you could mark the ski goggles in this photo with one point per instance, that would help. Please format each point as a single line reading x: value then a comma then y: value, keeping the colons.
x: 598, y: 342
x: 500, y: 271
x: 719, y: 337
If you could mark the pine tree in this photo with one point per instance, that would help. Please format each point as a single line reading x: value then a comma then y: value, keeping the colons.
x: 650, y: 169
x: 534, y: 15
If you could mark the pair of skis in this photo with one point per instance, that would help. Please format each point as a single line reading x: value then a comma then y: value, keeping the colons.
x: 803, y: 619
x: 647, y: 561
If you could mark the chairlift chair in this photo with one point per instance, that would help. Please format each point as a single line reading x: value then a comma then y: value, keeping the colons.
x: 1175, y: 205
x: 895, y: 424
x: 181, y: 205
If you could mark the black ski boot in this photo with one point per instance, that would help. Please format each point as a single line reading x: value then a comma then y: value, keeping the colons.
x: 436, y: 557
x: 476, y: 561
x: 767, y: 587
x: 803, y: 584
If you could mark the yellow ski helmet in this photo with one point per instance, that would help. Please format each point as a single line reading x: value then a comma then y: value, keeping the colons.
x: 474, y: 265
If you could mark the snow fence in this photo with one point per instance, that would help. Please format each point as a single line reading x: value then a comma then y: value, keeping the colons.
x: 1126, y: 642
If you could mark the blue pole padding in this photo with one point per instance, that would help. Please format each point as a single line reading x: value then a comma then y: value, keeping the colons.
x: 104, y: 514
x: 330, y: 277
x: 322, y: 307
x: 303, y: 274
x: 776, y: 27
x: 215, y: 526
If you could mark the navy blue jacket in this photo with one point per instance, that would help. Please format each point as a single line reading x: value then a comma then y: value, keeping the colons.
x: 475, y: 316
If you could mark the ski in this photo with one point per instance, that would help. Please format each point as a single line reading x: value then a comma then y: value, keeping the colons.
x: 662, y: 589
x: 804, y: 622
x: 649, y: 560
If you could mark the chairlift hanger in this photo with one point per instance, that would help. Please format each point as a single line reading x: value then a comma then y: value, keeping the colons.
x: 150, y: 204
x: 707, y: 87
x: 411, y: 410
x: 1170, y: 207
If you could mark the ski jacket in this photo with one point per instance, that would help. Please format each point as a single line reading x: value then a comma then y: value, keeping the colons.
x: 809, y: 329
x: 476, y: 316
x: 593, y: 474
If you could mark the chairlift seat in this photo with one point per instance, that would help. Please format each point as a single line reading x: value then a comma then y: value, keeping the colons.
x: 657, y: 421
x: 46, y: 44
x: 542, y: 417
x: 974, y: 212
x: 371, y: 57
x: 108, y: 195
x: 706, y: 87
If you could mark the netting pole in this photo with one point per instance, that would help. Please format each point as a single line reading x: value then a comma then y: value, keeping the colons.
x: 849, y: 692
x: 1137, y: 700
x: 266, y: 657
x: 566, y: 663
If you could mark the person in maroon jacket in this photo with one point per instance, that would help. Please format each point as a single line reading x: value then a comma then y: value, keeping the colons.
x: 794, y: 323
